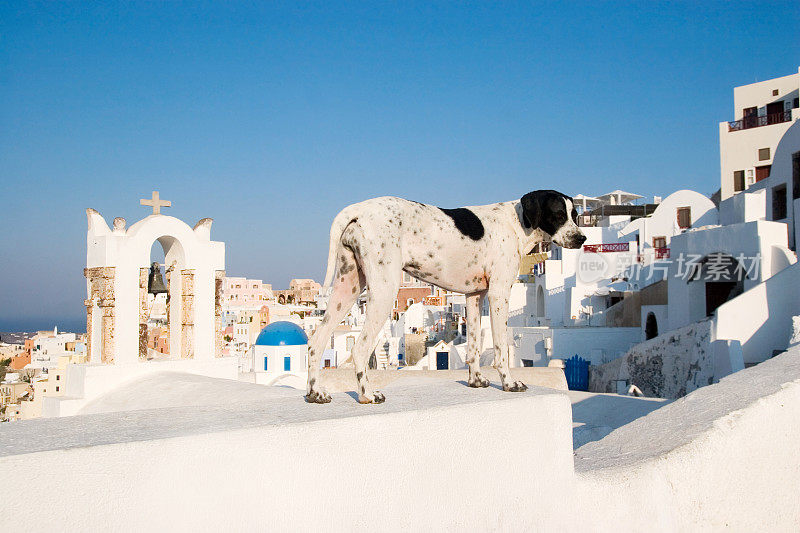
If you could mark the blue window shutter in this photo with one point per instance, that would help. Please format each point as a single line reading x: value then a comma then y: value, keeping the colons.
x: 287, y: 363
x: 265, y: 363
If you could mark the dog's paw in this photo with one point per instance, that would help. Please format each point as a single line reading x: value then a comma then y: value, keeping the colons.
x: 478, y: 382
x: 316, y: 396
x: 375, y: 397
x: 516, y: 386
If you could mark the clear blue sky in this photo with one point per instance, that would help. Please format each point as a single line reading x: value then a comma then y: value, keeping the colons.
x: 270, y: 117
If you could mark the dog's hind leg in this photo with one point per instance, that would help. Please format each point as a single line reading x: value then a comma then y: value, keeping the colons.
x: 474, y: 302
x: 498, y: 309
x: 383, y: 281
x: 347, y: 287
x: 379, y: 306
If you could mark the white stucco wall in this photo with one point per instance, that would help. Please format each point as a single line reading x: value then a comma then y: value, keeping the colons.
x: 753, y: 239
x: 229, y: 467
x: 596, y: 344
x: 275, y: 355
x: 745, y: 207
x: 781, y: 175
x: 84, y: 383
x: 724, y: 458
x: 761, y: 318
x: 664, y: 220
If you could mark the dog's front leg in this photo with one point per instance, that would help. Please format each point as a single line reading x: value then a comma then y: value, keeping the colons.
x: 498, y: 309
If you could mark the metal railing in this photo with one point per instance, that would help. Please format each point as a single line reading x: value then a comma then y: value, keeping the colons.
x: 754, y: 121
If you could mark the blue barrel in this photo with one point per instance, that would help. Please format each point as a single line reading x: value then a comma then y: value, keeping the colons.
x: 576, y: 370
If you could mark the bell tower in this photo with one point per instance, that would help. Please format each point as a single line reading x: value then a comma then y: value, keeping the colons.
x: 120, y: 278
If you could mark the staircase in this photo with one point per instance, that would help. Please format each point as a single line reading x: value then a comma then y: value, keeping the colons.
x: 382, y: 348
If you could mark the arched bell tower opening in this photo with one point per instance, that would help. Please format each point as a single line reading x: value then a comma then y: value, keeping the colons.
x: 163, y: 299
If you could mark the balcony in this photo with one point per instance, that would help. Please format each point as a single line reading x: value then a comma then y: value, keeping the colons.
x: 753, y: 121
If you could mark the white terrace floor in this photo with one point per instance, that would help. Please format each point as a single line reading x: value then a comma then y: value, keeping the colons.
x: 593, y: 415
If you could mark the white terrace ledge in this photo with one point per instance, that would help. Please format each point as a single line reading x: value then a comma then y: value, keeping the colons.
x: 436, y: 455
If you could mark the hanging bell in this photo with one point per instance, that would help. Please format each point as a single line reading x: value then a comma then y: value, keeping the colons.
x: 155, y: 283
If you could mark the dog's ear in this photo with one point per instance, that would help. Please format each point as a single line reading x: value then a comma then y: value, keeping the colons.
x: 531, y: 209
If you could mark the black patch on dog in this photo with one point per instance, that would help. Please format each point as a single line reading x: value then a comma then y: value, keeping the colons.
x: 466, y: 222
x: 545, y: 210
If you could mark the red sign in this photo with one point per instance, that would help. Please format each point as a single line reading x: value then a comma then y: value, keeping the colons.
x: 433, y: 300
x: 604, y: 248
x: 662, y: 253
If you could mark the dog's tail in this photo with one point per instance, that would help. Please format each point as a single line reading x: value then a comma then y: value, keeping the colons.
x: 340, y: 222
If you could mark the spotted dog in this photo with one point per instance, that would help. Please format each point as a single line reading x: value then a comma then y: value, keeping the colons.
x: 471, y: 250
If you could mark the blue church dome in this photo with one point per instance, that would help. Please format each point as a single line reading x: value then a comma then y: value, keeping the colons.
x: 282, y: 333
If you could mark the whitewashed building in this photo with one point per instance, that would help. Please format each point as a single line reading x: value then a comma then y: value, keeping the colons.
x: 280, y: 355
x: 48, y: 348
x: 763, y: 113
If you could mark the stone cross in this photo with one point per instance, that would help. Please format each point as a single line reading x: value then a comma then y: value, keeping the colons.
x: 156, y: 203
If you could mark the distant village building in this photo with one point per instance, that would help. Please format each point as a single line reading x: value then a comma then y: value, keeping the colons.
x: 300, y: 291
x: 243, y: 292
x: 49, y: 346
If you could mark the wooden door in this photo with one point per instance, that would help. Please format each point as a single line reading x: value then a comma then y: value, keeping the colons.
x: 775, y: 112
x: 442, y: 360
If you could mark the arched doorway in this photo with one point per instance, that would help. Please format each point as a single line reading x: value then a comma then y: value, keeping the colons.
x: 540, y: 302
x: 723, y: 277
x: 651, y: 326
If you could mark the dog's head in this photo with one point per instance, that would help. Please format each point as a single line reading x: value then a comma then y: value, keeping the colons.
x: 553, y: 213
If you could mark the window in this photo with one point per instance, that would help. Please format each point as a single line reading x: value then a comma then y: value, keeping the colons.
x: 762, y: 173
x: 796, y: 175
x: 265, y: 363
x: 327, y: 363
x: 350, y: 342
x: 287, y: 363
x: 775, y: 92
x: 684, y: 217
x: 763, y: 154
x: 659, y: 242
x: 409, y: 302
x: 57, y: 389
x: 779, y: 203
x: 58, y: 377
x: 738, y: 180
